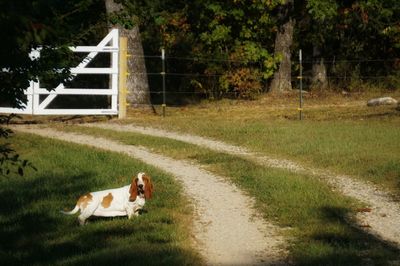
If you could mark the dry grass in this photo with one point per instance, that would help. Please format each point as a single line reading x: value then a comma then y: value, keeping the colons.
x: 339, y: 132
x: 316, y: 107
x: 326, y: 106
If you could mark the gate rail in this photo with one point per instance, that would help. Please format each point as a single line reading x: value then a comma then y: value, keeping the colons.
x: 37, y: 105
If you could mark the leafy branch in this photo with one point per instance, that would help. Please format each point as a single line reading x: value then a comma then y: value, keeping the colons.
x: 10, y: 161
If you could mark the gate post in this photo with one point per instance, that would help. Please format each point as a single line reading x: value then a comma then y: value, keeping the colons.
x: 122, y: 90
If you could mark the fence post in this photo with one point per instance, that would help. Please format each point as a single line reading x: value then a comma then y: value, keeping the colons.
x: 122, y: 70
x: 164, y: 105
x: 301, y: 86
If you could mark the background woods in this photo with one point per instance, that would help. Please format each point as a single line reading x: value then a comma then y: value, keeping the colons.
x: 241, y: 49
x: 214, y: 49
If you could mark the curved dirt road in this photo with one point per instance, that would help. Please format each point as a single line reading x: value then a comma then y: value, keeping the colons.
x: 227, y: 229
x: 381, y: 220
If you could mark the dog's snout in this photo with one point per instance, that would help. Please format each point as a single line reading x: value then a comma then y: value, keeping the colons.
x: 140, y: 185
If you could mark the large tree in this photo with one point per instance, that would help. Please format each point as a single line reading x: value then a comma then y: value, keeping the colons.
x: 317, y: 27
x: 282, y: 80
x: 128, y: 24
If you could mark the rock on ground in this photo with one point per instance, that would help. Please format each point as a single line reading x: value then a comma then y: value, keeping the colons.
x: 382, y: 101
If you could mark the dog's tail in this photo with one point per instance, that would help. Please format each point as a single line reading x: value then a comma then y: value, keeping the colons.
x: 75, y: 210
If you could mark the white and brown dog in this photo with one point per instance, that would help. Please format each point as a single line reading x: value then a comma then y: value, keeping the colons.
x: 124, y: 201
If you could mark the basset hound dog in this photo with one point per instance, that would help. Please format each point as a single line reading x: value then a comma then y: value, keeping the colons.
x: 123, y: 201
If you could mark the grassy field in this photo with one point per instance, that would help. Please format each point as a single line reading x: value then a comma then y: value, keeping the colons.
x: 317, y: 220
x: 34, y: 232
x: 338, y: 133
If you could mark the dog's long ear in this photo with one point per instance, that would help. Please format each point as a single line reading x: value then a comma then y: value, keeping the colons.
x: 148, y: 186
x: 133, y: 189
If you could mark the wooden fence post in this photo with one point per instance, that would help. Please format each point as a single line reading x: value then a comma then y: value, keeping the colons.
x: 122, y: 70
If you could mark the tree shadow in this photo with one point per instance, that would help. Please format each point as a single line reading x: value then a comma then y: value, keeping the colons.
x: 346, y: 244
x: 34, y: 232
x: 28, y: 215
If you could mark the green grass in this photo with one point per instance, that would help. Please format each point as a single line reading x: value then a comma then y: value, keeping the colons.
x: 364, y: 150
x: 345, y: 138
x: 34, y: 232
x: 317, y: 219
x: 337, y: 134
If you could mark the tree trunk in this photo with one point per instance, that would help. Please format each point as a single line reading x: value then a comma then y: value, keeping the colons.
x: 284, y: 38
x: 137, y: 83
x: 319, y: 77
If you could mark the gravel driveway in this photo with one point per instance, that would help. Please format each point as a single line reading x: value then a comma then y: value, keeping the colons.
x: 381, y: 219
x: 227, y: 229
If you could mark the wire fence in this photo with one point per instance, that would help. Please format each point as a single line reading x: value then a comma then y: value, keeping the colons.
x: 205, y: 59
x: 391, y: 66
x: 186, y: 76
x: 189, y: 76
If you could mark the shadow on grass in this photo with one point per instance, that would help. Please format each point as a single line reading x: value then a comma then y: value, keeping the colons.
x: 34, y: 232
x: 342, y: 243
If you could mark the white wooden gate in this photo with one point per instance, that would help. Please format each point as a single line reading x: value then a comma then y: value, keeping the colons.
x: 40, y: 98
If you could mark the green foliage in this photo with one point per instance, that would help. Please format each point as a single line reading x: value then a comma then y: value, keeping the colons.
x: 10, y: 161
x: 122, y: 18
x: 218, y: 48
x: 322, y: 10
x: 48, y: 26
x: 222, y: 38
x: 51, y: 26
x: 236, y: 35
x: 357, y: 39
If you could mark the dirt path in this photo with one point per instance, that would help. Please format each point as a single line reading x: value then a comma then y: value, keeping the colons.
x: 382, y: 220
x: 227, y: 228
